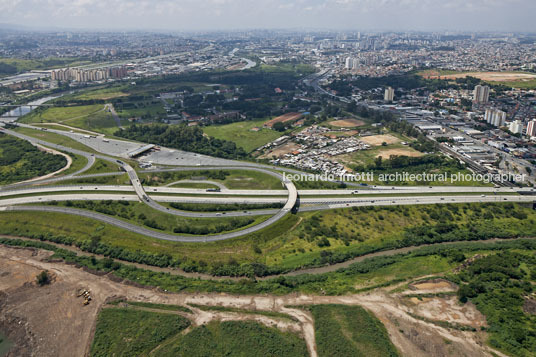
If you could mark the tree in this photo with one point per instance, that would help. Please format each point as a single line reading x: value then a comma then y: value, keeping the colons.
x: 378, y: 162
x: 279, y: 126
x: 43, y: 278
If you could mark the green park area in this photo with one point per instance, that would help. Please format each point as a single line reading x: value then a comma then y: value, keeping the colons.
x: 93, y: 117
x: 248, y: 135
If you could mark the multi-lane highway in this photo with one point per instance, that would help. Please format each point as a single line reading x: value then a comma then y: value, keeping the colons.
x: 13, y: 196
x: 144, y: 197
x: 391, y: 201
x: 373, y: 191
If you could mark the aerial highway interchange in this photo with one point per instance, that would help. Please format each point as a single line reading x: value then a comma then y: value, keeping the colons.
x: 19, y: 196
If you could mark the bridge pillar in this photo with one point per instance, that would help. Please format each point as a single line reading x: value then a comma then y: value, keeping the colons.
x: 296, y: 207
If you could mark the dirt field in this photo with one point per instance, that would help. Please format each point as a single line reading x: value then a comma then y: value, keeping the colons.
x: 347, y: 123
x: 377, y: 140
x: 399, y: 152
x: 438, y: 285
x: 341, y: 133
x: 52, y: 321
x: 281, y: 150
x: 282, y: 118
x: 450, y: 310
x: 485, y: 76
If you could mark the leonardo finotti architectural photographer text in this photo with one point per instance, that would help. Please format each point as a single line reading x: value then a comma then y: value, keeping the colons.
x: 408, y: 177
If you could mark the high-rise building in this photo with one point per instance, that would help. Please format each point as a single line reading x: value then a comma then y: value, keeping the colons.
x: 349, y: 63
x: 389, y: 95
x: 481, y: 94
x: 495, y: 117
x: 531, y: 128
x: 516, y: 127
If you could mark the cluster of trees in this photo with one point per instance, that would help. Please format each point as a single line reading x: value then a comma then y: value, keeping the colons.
x: 468, y: 82
x: 422, y: 144
x: 279, y: 285
x: 444, y: 139
x: 256, y: 98
x: 111, y: 208
x: 412, y: 164
x: 20, y: 160
x: 230, y: 225
x: 171, y: 176
x: 445, y: 232
x: 407, y: 81
x: 7, y: 69
x: 183, y: 137
x: 500, y: 285
x: 378, y: 116
x: 487, y: 221
x: 222, y: 207
x: 315, y: 230
x: 126, y: 210
x: 483, y: 222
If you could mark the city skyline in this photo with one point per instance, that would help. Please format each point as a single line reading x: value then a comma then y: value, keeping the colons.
x: 187, y: 15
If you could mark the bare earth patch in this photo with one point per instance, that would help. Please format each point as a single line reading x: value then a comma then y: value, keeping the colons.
x: 52, y: 320
x: 377, y: 140
x: 282, y: 119
x: 337, y: 134
x: 281, y: 150
x: 485, y: 76
x: 433, y: 286
x: 450, y: 310
x: 399, y: 152
x: 347, y: 123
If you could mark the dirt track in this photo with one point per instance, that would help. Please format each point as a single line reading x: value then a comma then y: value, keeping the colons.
x: 52, y: 321
x: 347, y: 123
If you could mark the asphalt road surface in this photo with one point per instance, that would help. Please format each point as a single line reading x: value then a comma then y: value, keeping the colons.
x: 121, y: 148
x: 218, y: 237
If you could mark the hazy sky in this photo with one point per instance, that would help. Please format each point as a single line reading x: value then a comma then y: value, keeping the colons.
x: 474, y: 15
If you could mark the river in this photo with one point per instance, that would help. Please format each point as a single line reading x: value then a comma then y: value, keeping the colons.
x: 17, y: 112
